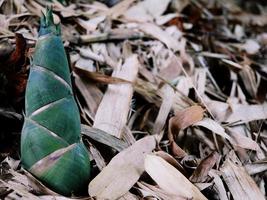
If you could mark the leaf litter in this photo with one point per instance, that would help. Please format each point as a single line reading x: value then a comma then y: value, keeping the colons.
x: 172, y: 96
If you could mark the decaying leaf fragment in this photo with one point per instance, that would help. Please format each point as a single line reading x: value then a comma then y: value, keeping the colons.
x: 170, y: 179
x: 123, y: 171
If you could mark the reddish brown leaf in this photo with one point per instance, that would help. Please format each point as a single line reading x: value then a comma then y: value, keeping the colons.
x: 185, y: 118
x: 17, y: 58
x: 202, y: 170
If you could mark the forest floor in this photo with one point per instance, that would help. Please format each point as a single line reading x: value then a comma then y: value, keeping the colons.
x: 171, y: 94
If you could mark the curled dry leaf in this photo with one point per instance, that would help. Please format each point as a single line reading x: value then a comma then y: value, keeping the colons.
x: 201, y: 172
x: 180, y: 121
x: 186, y: 118
x: 156, y: 32
x: 170, y: 179
x: 123, y: 171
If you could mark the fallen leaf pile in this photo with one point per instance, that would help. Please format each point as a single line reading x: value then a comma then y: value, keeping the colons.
x: 171, y: 93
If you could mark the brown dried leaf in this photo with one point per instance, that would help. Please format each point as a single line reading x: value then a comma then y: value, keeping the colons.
x: 123, y: 171
x: 185, y: 118
x: 201, y: 172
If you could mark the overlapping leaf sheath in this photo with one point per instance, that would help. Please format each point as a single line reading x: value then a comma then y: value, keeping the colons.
x: 51, y: 146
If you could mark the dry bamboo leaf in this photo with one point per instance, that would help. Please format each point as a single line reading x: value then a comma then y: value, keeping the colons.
x: 185, y: 118
x: 172, y: 70
x: 214, y: 127
x: 249, y: 79
x: 170, y: 179
x: 151, y: 191
x: 240, y: 184
x: 123, y: 171
x: 232, y: 63
x: 158, y: 33
x: 100, y: 78
x: 218, y: 109
x: 171, y: 160
x: 95, y: 154
x: 128, y: 196
x: 19, y: 192
x: 243, y: 141
x: 167, y: 101
x: 113, y: 110
x: 91, y: 25
x: 251, y: 46
x: 201, y: 172
x: 50, y: 197
x: 218, y: 184
x: 145, y: 11
x: 91, y: 94
x: 256, y: 167
x: 103, y: 137
x: 246, y: 113
x: 120, y: 8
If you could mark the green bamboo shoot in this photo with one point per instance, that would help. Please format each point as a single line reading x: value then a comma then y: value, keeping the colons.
x: 51, y: 145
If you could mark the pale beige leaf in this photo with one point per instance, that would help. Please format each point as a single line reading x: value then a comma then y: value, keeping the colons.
x: 218, y: 184
x: 167, y: 101
x: 113, y: 110
x: 240, y: 184
x: 170, y: 179
x: 256, y: 167
x: 123, y: 171
x: 246, y: 113
x: 214, y: 127
x: 251, y: 46
x: 151, y: 191
x: 119, y: 8
x: 156, y: 32
x: 145, y: 11
x: 243, y: 141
